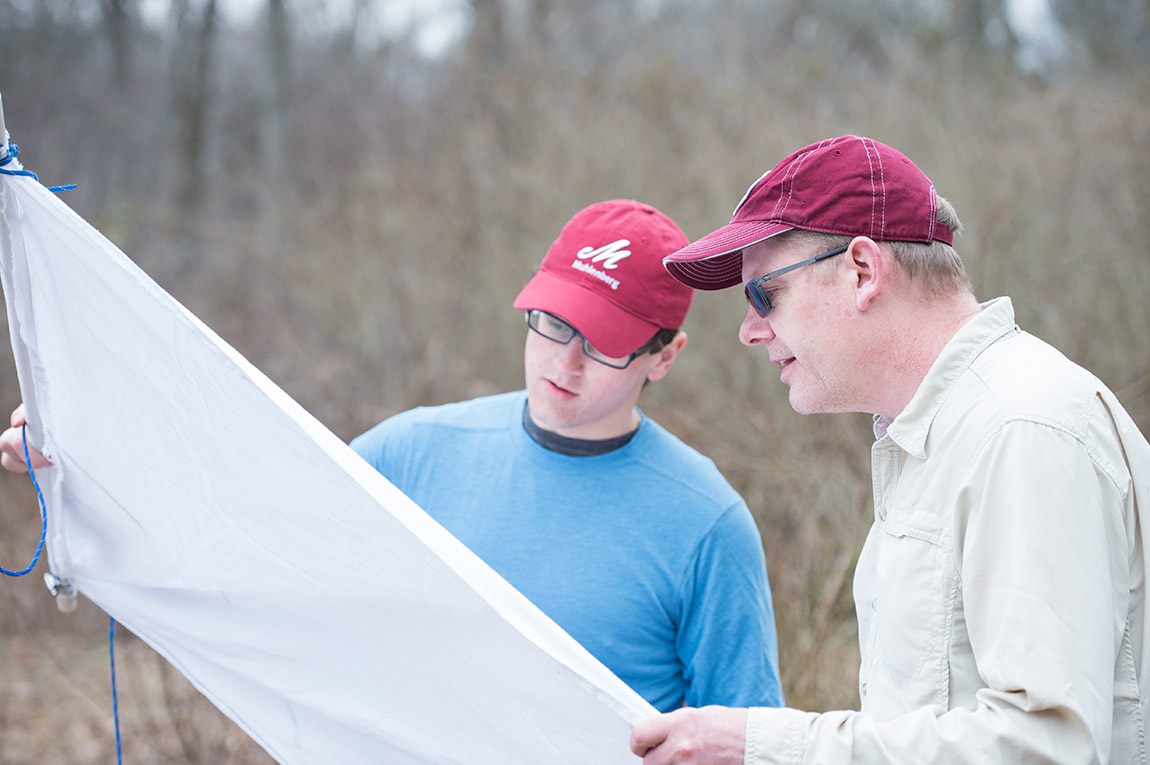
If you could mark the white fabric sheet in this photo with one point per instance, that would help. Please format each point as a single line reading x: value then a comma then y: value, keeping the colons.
x: 211, y: 515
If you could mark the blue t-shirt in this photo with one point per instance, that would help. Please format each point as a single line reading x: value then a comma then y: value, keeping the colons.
x: 645, y: 554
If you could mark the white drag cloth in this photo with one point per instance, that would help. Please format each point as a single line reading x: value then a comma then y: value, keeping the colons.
x: 305, y: 596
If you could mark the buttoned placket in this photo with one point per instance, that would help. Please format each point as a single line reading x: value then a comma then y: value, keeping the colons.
x: 887, y: 461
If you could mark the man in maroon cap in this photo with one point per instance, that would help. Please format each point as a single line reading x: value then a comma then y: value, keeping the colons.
x: 1001, y: 593
x: 629, y: 539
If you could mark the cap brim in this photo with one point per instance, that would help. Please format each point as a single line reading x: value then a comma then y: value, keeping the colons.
x: 715, y: 262
x: 611, y: 329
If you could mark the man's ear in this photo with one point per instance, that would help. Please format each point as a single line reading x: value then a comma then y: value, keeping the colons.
x: 869, y: 266
x: 666, y: 356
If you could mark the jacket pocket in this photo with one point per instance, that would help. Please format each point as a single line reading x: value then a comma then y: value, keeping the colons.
x: 915, y: 597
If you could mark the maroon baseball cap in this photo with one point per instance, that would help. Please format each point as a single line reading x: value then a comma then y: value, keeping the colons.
x: 604, y: 276
x: 849, y: 185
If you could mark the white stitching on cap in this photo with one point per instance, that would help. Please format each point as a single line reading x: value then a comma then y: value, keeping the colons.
x: 711, y: 270
x: 870, y: 165
x: 882, y: 180
x: 790, y: 176
x: 792, y: 170
x: 747, y: 194
x: 867, y: 144
x: 933, y: 213
x: 788, y: 184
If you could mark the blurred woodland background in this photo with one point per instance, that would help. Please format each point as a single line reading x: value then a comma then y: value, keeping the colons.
x: 354, y: 211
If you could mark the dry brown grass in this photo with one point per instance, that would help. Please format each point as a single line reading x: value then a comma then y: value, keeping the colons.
x: 382, y: 275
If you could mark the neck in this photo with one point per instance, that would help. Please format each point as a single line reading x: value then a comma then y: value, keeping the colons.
x: 916, y: 340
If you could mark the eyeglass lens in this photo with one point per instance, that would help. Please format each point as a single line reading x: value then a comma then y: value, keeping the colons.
x: 554, y: 328
x: 757, y: 296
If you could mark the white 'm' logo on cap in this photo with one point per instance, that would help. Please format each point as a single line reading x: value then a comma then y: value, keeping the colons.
x: 609, y: 254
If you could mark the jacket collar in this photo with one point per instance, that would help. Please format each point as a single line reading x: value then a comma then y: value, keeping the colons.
x: 912, y: 426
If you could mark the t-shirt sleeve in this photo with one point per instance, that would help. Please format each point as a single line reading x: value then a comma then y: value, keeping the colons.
x: 727, y: 641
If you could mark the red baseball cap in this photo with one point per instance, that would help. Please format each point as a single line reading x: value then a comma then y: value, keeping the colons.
x: 849, y: 185
x: 604, y: 276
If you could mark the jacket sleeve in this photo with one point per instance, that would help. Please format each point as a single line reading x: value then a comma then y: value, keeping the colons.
x: 1042, y: 547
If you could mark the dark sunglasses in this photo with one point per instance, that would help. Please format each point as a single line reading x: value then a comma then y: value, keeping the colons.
x: 757, y: 296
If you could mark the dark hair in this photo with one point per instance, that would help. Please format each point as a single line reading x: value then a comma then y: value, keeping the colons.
x: 658, y: 341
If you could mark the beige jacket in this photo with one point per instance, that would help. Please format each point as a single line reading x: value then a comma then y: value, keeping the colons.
x: 1001, y: 592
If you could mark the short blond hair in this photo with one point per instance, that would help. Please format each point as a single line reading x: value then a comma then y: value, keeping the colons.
x: 934, y: 266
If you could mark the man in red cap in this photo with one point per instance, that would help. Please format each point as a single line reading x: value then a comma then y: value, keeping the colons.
x: 629, y: 539
x: 1001, y: 593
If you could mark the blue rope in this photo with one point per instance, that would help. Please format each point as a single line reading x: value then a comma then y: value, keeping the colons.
x: 32, y: 565
x: 13, y: 152
x: 115, y: 699
x: 43, y: 512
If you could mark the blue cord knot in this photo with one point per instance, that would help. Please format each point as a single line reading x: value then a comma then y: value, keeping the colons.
x: 13, y: 152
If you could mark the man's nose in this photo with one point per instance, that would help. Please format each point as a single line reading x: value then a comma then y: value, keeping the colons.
x: 571, y: 355
x: 755, y: 329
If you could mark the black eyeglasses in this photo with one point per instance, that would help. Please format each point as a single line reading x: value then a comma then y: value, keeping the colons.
x: 757, y: 296
x: 554, y: 328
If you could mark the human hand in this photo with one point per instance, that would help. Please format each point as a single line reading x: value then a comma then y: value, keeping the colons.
x: 12, y: 446
x: 704, y: 736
